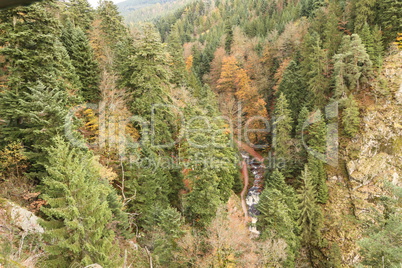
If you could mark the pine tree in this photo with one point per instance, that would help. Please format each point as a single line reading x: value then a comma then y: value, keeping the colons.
x: 82, y: 58
x: 350, y: 117
x: 77, y: 211
x: 282, y: 140
x: 353, y: 67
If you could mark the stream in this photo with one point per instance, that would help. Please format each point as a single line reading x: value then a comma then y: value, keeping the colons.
x: 253, y: 162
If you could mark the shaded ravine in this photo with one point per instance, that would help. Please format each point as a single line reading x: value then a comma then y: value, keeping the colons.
x: 257, y: 168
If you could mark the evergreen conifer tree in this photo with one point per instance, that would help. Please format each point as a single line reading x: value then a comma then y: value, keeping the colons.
x: 77, y: 211
x: 293, y: 87
x: 350, y: 117
x: 317, y: 142
x: 282, y: 132
x: 310, y: 216
x: 82, y: 58
x: 353, y: 67
x: 80, y: 13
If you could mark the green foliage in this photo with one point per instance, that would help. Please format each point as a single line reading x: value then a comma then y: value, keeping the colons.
x: 318, y: 177
x: 80, y: 13
x: 111, y: 22
x: 315, y: 68
x: 213, y: 168
x: 390, y: 18
x: 309, y: 6
x: 316, y: 140
x: 77, y: 210
x: 82, y: 58
x: 282, y: 131
x: 276, y: 221
x: 351, y: 117
x: 353, y: 67
x: 372, y: 40
x: 293, y: 87
x: 279, y: 214
x: 363, y: 12
x: 229, y: 38
x: 382, y: 247
x: 32, y: 50
x: 310, y: 216
x: 165, y: 228
x: 34, y: 118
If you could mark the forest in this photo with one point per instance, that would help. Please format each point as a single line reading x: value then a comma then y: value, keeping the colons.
x: 213, y: 133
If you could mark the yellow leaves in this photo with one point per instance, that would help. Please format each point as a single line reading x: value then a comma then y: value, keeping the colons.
x: 399, y: 40
x: 189, y: 63
x: 12, y: 159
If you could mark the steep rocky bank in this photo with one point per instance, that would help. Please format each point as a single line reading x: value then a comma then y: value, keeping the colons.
x: 368, y: 162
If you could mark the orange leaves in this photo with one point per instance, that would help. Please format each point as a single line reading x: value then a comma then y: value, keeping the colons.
x: 235, y: 79
x: 227, y: 80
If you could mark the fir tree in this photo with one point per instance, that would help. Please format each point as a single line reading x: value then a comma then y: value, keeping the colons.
x: 302, y: 137
x: 80, y: 13
x: 40, y: 78
x: 32, y: 50
x: 363, y: 13
x: 77, y: 211
x: 317, y: 80
x: 276, y: 221
x: 145, y: 74
x: 350, y: 117
x: 111, y: 22
x: 229, y: 37
x: 293, y: 87
x: 212, y: 163
x: 317, y: 143
x: 310, y: 216
x: 82, y: 58
x: 372, y: 40
x: 282, y: 132
x: 390, y: 18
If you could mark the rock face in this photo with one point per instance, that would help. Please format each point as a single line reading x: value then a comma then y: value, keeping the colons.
x: 21, y: 218
x: 371, y: 160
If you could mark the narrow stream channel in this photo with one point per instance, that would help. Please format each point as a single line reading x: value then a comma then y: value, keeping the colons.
x: 253, y: 162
